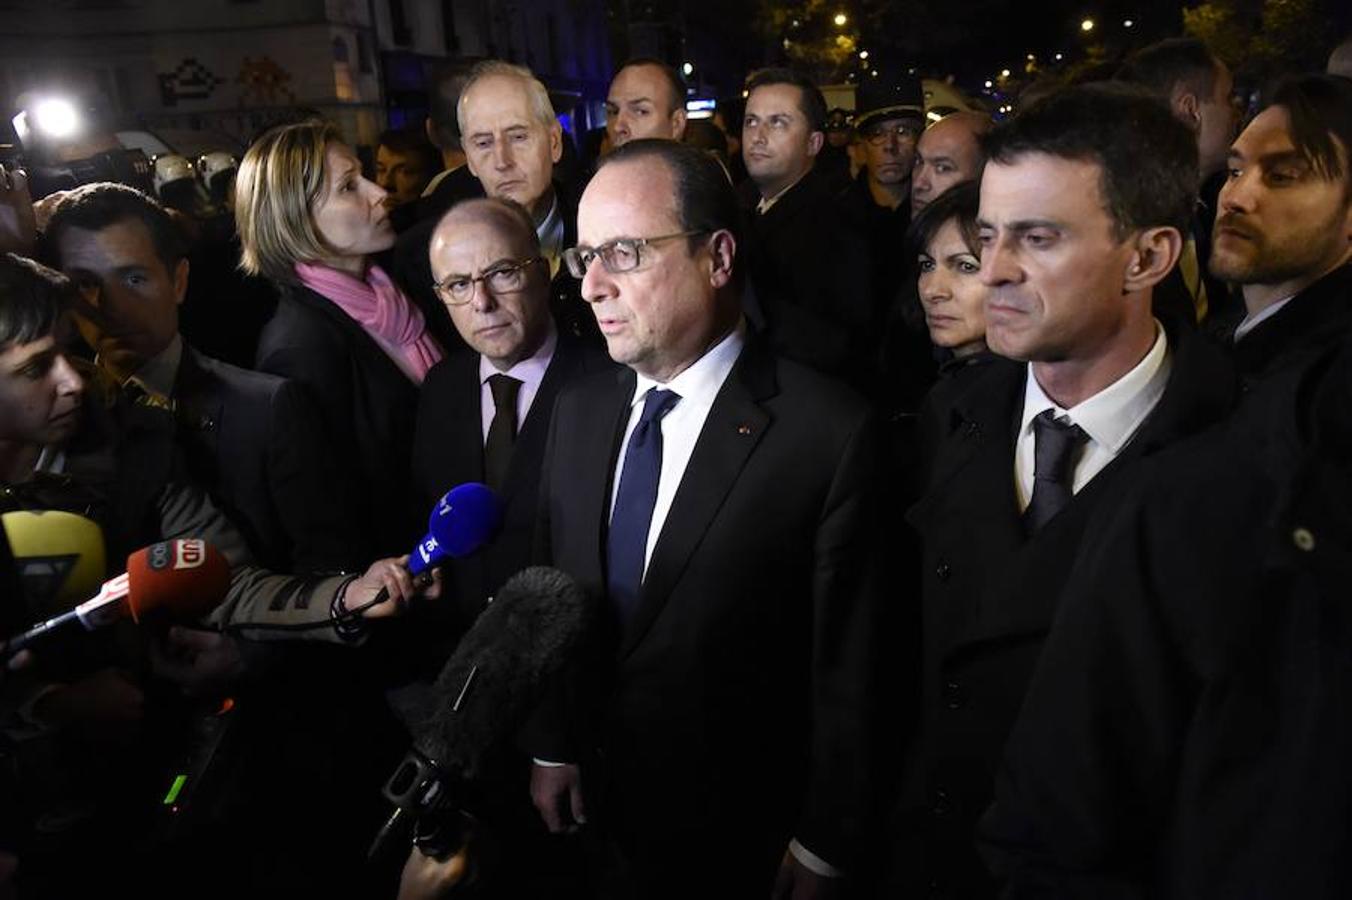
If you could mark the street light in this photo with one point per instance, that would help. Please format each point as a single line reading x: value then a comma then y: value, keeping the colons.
x: 1127, y: 23
x: 841, y: 20
x: 1004, y: 73
x: 1059, y: 57
x: 1087, y: 25
x: 688, y: 69
x: 990, y: 84
x: 863, y: 54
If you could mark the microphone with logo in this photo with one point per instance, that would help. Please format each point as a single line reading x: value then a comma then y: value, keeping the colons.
x: 528, y: 633
x: 183, y: 578
x: 465, y: 519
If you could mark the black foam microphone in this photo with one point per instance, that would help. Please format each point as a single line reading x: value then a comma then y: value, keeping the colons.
x: 527, y: 634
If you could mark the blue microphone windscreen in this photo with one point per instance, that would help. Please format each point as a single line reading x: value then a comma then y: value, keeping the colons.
x: 465, y: 519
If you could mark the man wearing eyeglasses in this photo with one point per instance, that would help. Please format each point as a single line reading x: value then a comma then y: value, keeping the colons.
x: 806, y: 251
x: 890, y: 116
x: 483, y: 416
x: 714, y: 498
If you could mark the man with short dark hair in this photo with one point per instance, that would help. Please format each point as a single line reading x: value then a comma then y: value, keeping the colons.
x: 646, y: 100
x: 1083, y: 201
x: 112, y: 460
x: 405, y: 165
x: 716, y: 499
x: 808, y: 258
x: 1197, y: 85
x: 250, y: 439
x: 1186, y: 732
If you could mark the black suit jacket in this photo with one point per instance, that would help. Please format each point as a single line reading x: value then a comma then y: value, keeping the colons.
x: 366, y: 404
x: 731, y: 705
x: 448, y: 450
x: 810, y: 267
x: 257, y: 445
x: 990, y: 593
x: 1209, y: 615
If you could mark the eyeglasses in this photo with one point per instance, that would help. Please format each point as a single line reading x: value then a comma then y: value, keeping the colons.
x: 619, y: 255
x: 506, y: 278
x: 881, y: 134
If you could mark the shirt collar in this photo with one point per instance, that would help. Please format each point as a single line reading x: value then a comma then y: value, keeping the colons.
x: 766, y: 202
x: 701, y: 381
x: 158, y: 374
x: 1112, y: 416
x: 531, y: 369
x: 1254, y: 320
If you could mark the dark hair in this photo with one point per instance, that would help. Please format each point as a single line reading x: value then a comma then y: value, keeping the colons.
x: 1320, y: 108
x: 1147, y: 158
x: 32, y: 299
x: 675, y: 83
x: 94, y: 207
x: 443, y: 95
x: 705, y: 199
x: 1162, y: 65
x: 412, y: 142
x: 957, y: 204
x: 811, y: 101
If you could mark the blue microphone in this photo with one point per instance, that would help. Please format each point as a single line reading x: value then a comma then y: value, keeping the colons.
x: 465, y: 519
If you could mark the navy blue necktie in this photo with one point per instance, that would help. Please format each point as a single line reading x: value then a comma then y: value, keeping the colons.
x: 627, y: 539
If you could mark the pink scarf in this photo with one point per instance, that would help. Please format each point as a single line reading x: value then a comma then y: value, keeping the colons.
x: 381, y: 308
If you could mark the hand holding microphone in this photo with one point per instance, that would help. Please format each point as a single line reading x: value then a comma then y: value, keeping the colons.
x: 465, y: 519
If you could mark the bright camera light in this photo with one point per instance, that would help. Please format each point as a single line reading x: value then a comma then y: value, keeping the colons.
x: 56, y: 118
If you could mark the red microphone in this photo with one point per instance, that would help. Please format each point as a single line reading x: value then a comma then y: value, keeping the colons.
x: 185, y: 578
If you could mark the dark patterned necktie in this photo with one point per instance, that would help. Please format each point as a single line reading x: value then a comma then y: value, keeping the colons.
x: 502, y: 430
x: 1055, y: 446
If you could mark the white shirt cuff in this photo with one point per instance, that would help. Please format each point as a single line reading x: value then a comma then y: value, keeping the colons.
x: 812, y: 862
x: 547, y: 763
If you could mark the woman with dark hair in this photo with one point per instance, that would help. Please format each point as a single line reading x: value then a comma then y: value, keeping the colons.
x: 945, y: 240
x: 308, y: 220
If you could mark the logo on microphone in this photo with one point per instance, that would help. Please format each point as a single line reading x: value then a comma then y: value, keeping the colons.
x: 191, y: 554
x: 180, y: 554
x: 159, y: 556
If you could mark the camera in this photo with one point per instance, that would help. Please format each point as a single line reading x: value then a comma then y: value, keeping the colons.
x: 62, y: 146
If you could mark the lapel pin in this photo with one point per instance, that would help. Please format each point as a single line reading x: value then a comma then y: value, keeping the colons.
x: 743, y: 428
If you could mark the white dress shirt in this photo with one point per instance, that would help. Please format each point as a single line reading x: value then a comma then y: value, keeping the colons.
x: 1110, y: 418
x: 697, y: 386
x: 1253, y: 321
x: 529, y: 371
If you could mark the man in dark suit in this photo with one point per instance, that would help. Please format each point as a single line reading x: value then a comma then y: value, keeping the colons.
x: 807, y: 253
x: 1208, y: 612
x: 250, y: 439
x: 513, y: 145
x: 1197, y: 86
x: 488, y: 269
x: 1083, y: 204
x: 715, y: 497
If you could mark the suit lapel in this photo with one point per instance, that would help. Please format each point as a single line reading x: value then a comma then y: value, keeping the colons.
x: 735, y: 425
x: 530, y: 436
x: 974, y: 470
x: 199, y: 406
x: 589, y: 475
x: 464, y: 446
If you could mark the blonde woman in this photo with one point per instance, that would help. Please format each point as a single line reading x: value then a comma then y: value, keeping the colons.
x: 309, y: 221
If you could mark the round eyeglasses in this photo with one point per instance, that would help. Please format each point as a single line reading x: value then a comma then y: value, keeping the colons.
x: 503, y: 278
